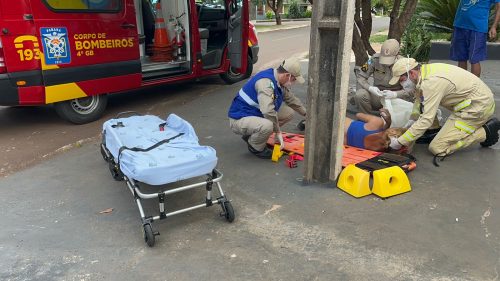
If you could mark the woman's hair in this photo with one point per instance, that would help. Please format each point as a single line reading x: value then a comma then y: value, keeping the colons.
x: 380, y: 141
x: 392, y: 132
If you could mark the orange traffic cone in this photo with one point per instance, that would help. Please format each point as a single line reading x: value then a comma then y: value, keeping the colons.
x: 162, y: 49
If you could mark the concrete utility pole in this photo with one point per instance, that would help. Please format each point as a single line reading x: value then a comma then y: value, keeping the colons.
x: 329, y: 56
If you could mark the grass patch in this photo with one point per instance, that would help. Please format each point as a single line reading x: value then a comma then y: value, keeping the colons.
x: 378, y: 38
x: 266, y: 27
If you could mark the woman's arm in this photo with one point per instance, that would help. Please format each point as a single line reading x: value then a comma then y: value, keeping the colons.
x: 374, y: 122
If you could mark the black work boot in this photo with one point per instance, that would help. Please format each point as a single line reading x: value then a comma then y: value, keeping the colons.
x: 264, y: 154
x: 491, y: 127
x: 428, y: 136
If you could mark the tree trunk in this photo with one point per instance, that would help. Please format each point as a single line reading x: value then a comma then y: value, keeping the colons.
x: 400, y: 17
x: 358, y: 47
x: 278, y: 18
x: 399, y: 21
x: 276, y: 6
x: 366, y: 10
x: 361, y: 33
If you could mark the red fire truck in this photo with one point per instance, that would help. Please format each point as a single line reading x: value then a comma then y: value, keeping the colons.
x: 72, y: 53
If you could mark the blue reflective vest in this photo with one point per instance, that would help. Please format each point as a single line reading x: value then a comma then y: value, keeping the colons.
x: 246, y: 103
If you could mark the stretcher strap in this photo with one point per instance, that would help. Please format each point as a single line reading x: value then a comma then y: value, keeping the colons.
x: 138, y: 149
x: 385, y: 160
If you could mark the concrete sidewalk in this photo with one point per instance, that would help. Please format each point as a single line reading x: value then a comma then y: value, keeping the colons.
x: 446, y: 228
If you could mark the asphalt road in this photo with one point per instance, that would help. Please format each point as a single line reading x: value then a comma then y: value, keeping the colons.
x: 296, y: 42
x: 32, y: 134
x: 277, y: 45
x: 53, y: 228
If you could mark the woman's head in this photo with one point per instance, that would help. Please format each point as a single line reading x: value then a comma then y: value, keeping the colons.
x: 380, y: 141
x: 392, y: 132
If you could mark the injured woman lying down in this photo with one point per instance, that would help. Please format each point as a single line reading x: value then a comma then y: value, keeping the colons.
x: 371, y: 132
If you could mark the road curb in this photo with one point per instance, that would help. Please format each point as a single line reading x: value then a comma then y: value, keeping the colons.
x: 285, y: 28
x: 441, y: 50
x: 284, y: 20
x: 276, y: 62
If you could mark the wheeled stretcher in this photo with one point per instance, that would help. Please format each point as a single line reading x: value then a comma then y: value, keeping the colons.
x: 145, y: 149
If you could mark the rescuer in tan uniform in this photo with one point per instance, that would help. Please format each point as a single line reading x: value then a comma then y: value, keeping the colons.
x: 464, y: 94
x: 367, y: 96
x: 264, y: 104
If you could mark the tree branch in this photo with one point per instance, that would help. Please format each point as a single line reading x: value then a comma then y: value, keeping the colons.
x: 400, y: 21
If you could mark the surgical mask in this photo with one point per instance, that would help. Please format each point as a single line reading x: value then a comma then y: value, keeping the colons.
x: 408, y: 85
x: 288, y: 83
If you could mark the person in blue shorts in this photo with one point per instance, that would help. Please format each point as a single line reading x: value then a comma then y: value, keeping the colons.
x: 470, y: 32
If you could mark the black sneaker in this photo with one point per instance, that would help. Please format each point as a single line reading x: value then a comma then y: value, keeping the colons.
x: 245, y: 138
x: 264, y: 154
x: 301, y: 125
x: 352, y: 101
x: 491, y: 127
x: 428, y: 136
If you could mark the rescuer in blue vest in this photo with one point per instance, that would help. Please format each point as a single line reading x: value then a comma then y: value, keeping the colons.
x: 264, y: 104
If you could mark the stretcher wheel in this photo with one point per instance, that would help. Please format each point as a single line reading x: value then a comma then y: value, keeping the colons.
x: 228, y: 211
x: 117, y: 175
x: 103, y: 153
x: 149, y: 236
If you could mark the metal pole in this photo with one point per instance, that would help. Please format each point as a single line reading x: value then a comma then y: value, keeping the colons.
x: 329, y: 57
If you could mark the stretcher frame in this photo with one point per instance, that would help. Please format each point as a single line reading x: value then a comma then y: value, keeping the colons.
x: 147, y: 221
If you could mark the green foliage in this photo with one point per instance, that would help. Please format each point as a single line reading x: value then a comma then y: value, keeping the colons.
x: 307, y: 14
x: 294, y: 11
x: 438, y: 36
x: 269, y: 15
x: 384, y: 6
x: 439, y: 13
x: 416, y: 42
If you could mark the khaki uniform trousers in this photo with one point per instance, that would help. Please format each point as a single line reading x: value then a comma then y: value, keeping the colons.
x: 463, y: 128
x: 258, y: 128
x: 367, y: 102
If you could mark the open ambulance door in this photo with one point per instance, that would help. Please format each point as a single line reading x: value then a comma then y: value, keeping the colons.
x: 90, y: 49
x: 238, y: 35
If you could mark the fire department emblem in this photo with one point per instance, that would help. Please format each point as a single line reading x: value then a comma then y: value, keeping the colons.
x: 55, y: 45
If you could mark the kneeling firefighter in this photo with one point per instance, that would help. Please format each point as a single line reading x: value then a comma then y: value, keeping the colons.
x: 264, y: 104
x: 464, y: 94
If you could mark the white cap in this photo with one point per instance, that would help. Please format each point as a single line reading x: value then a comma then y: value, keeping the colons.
x: 389, y: 51
x: 292, y: 66
x: 401, y: 67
